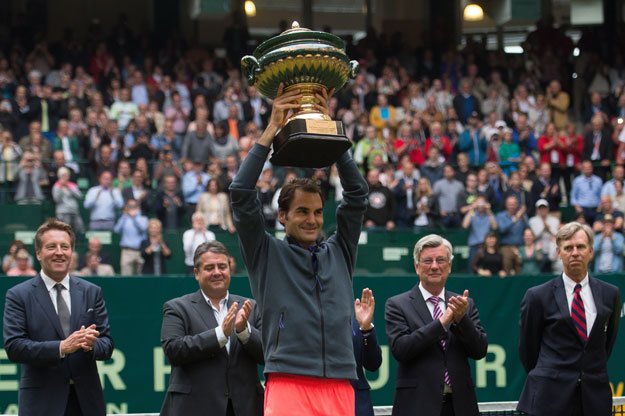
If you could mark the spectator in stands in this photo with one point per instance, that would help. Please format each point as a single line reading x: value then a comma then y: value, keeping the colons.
x: 433, y: 167
x: 154, y: 250
x: 497, y: 182
x: 168, y: 137
x: 558, y: 102
x: 488, y: 260
x: 256, y: 108
x: 480, y: 221
x: 618, y: 175
x: 9, y: 260
x: 22, y: 267
x: 466, y: 103
x: 473, y: 142
x: 547, y: 188
x: 573, y: 147
x: 381, y: 208
x: 167, y: 165
x: 510, y: 223
x: 94, y: 246
x: 10, y: 155
x: 67, y: 142
x: 215, y: 207
x: 544, y: 226
x: 95, y: 268
x: 484, y: 188
x: 29, y: 178
x: 198, y: 145
x: 123, y: 110
x: 404, y: 194
x: 606, y: 207
x: 193, y: 237
x: 67, y: 196
x: 515, y: 188
x: 599, y: 147
x: 539, y: 115
x: 619, y: 198
x: 368, y: 147
x: 224, y: 144
x: 407, y: 145
x: 131, y: 227
x: 531, y: 254
x: 595, y: 107
x: 169, y: 204
x: 193, y: 184
x: 425, y: 204
x: 586, y: 192
x: 123, y: 178
x: 449, y: 192
x: 383, y: 117
x: 103, y: 201
x: 608, y: 247
x: 221, y: 109
x: 138, y: 191
x: 35, y: 142
x: 178, y: 112
x: 440, y: 141
x: 509, y: 153
x: 524, y: 136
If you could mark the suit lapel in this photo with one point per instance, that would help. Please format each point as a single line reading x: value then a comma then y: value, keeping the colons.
x: 77, y: 299
x: 418, y: 303
x: 43, y: 298
x: 597, y: 295
x: 205, y: 312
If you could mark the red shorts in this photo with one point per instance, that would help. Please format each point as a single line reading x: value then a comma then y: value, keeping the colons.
x: 294, y: 395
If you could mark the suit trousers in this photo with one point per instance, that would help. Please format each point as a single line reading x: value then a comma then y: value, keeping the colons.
x: 448, y: 406
x: 73, y: 406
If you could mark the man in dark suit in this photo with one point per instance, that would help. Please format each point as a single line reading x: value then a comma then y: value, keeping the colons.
x: 432, y: 333
x: 598, y: 146
x: 56, y: 326
x: 212, y: 344
x: 366, y: 350
x: 567, y: 330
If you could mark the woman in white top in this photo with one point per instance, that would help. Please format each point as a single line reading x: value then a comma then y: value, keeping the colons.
x: 193, y: 237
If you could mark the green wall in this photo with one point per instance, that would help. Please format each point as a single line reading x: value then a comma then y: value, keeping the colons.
x: 135, y: 379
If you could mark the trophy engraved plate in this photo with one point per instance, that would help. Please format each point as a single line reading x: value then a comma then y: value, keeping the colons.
x: 309, y: 61
x: 321, y: 127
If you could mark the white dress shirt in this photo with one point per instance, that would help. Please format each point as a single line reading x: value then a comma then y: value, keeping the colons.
x: 52, y: 293
x: 220, y: 314
x: 441, y: 301
x: 586, y: 294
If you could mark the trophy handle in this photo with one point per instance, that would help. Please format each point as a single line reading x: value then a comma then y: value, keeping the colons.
x: 249, y: 66
x: 354, y: 68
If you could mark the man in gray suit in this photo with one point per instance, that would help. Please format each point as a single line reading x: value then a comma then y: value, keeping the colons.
x: 432, y: 333
x: 212, y: 340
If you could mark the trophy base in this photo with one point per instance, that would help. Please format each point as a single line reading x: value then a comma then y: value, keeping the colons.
x: 309, y: 143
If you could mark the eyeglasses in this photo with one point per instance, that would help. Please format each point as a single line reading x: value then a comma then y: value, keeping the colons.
x: 441, y: 261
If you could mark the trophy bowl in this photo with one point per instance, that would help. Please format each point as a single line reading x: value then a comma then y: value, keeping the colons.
x: 309, y: 61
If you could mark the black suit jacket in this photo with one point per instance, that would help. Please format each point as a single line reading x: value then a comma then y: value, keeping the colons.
x: 368, y: 355
x: 204, y: 375
x: 556, y: 359
x: 414, y: 338
x: 32, y: 336
x: 606, y: 146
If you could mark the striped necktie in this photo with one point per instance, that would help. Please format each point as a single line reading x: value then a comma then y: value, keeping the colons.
x: 578, y: 313
x: 434, y: 300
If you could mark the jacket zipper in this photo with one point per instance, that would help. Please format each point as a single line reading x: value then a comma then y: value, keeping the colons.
x: 280, y: 327
x: 318, y: 289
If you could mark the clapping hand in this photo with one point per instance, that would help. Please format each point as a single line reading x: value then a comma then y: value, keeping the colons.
x: 364, y: 309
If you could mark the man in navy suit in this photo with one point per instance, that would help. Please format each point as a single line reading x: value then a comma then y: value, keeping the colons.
x: 567, y: 330
x: 56, y: 326
x: 366, y: 350
x: 432, y: 333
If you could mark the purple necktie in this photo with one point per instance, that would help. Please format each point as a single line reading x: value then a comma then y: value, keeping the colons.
x: 436, y: 315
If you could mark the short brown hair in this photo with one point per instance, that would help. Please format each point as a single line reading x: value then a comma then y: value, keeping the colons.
x: 287, y: 193
x: 53, y: 224
x: 566, y: 232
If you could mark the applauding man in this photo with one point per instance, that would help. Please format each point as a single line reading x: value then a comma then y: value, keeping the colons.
x: 212, y: 341
x: 432, y: 333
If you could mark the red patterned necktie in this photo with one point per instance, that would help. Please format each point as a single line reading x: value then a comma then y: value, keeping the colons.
x: 578, y: 313
x: 436, y: 315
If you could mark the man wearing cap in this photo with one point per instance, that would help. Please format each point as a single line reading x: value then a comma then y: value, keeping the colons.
x: 545, y: 227
x: 609, y: 247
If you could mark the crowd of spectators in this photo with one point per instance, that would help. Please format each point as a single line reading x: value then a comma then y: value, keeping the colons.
x: 493, y: 143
